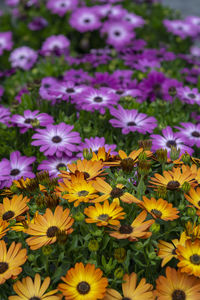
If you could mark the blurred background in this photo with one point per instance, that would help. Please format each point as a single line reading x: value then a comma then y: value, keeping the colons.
x: 187, y: 7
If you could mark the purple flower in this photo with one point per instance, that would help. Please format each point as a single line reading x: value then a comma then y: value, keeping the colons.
x: 60, y: 7
x: 23, y: 91
x: 195, y: 116
x: 134, y: 20
x: 169, y: 89
x: 6, y: 42
x: 181, y: 28
x: 57, y: 140
x: 54, y: 164
x: 131, y: 120
x: 37, y: 23
x: 105, y: 80
x: 190, y: 132
x: 169, y: 139
x: 78, y: 76
x: 95, y: 143
x: 85, y: 19
x: 117, y: 12
x: 12, y: 2
x: 195, y: 51
x: 96, y: 99
x: 119, y: 33
x: 4, y: 115
x: 18, y: 166
x: 190, y: 96
x: 195, y: 21
x: 152, y: 85
x: 23, y: 57
x: 55, y: 44
x: 97, y: 57
x: 46, y: 84
x: 191, y: 75
x: 65, y: 90
x: 31, y: 119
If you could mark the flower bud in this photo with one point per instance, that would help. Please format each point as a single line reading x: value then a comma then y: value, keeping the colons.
x: 152, y: 255
x: 186, y: 187
x: 161, y: 155
x: 175, y: 153
x: 138, y: 245
x: 186, y: 158
x: 79, y: 216
x: 155, y: 228
x: 120, y: 254
x: 31, y: 257
x: 172, y: 91
x: 161, y: 192
x: 145, y: 144
x: 142, y: 156
x: 127, y: 165
x: 61, y: 236
x: 191, y: 212
x: 47, y: 250
x: 144, y: 167
x: 35, y: 123
x: 119, y: 273
x: 93, y: 245
x: 87, y: 154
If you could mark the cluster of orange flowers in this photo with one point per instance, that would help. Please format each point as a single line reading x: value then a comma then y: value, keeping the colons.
x: 85, y: 182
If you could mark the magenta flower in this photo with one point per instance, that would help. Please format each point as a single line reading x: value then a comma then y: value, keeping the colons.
x: 23, y: 57
x: 78, y: 76
x: 46, y: 84
x: 131, y: 120
x: 37, y: 23
x: 181, y: 28
x: 190, y: 132
x: 6, y: 42
x: 65, y: 90
x: 4, y: 115
x: 60, y: 7
x: 18, y: 166
x: 57, y: 140
x: 31, y: 119
x: 190, y: 96
x: 169, y: 139
x: 55, y: 44
x: 134, y: 20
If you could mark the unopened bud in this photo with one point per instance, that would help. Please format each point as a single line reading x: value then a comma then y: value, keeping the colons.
x: 142, y: 156
x: 47, y: 250
x: 119, y: 273
x: 127, y: 165
x: 61, y: 236
x: 79, y: 216
x: 175, y: 153
x: 144, y: 167
x: 161, y: 192
x: 186, y: 158
x: 172, y: 91
x: 145, y: 144
x: 93, y: 245
x: 186, y: 187
x: 161, y: 155
x: 87, y: 154
x: 191, y: 212
x: 120, y: 254
x: 155, y: 228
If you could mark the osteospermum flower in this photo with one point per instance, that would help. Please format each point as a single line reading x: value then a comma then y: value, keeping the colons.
x: 23, y: 223
x: 188, y: 95
x: 60, y: 7
x: 190, y: 132
x: 11, y: 260
x: 131, y: 290
x: 177, y: 286
x: 104, y: 214
x: 77, y: 190
x: 3, y: 228
x: 55, y: 44
x: 4, y: 115
x: 6, y: 42
x: 37, y: 23
x: 85, y: 19
x: 159, y: 209
x: 181, y: 28
x: 194, y: 197
x: 169, y: 139
x: 132, y: 120
x: 46, y: 227
x: 23, y: 57
x: 137, y: 230
x: 30, y: 289
x: 83, y: 282
x: 57, y: 140
x: 11, y: 208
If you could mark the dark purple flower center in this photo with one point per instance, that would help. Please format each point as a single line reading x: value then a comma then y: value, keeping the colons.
x: 22, y: 57
x: 171, y: 143
x: 178, y: 295
x: 174, y: 251
x: 131, y: 124
x: 196, y: 134
x: 62, y: 5
x: 87, y: 20
x: 173, y: 185
x: 116, y: 192
x: 35, y: 298
x: 14, y: 172
x: 51, y: 231
x: 28, y: 121
x: 195, y: 259
x: 103, y: 217
x: 98, y: 99
x: 192, y: 96
x: 61, y: 165
x: 3, y: 267
x: 46, y: 85
x: 117, y: 33
x: 56, y: 139
x: 125, y: 229
x: 119, y: 92
x: 157, y: 213
x: 70, y: 90
x: 83, y: 288
x: 126, y: 298
x: 8, y: 215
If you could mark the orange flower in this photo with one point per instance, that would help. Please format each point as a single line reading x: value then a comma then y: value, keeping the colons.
x: 104, y: 214
x: 138, y: 229
x: 105, y: 157
x: 142, y: 292
x: 46, y: 227
x: 160, y: 209
x: 3, y: 228
x: 10, y: 209
x: 24, y: 223
x: 194, y: 197
x: 11, y: 260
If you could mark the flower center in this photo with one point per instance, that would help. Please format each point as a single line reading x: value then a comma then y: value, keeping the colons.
x: 70, y: 90
x: 46, y: 85
x: 171, y: 143
x: 199, y: 203
x: 157, y: 213
x: 192, y: 96
x: 51, y: 231
x: 3, y: 267
x: 103, y: 217
x: 196, y: 134
x: 98, y: 99
x: 87, y: 20
x: 83, y: 287
x: 86, y: 175
x: 131, y: 124
x: 22, y: 57
x: 8, y: 215
x: 126, y: 229
x: 14, y: 172
x: 117, y: 33
x: 173, y: 185
x: 195, y: 259
x: 35, y: 298
x: 56, y: 139
x: 83, y: 193
x: 178, y: 295
x: 126, y: 298
x: 116, y: 192
x: 61, y: 165
x: 28, y: 121
x: 174, y: 251
x: 119, y: 92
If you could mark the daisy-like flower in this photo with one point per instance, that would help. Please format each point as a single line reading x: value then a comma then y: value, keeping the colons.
x: 46, y: 85
x: 134, y: 20
x: 78, y: 76
x: 90, y: 169
x: 23, y: 222
x: 190, y: 132
x: 46, y: 227
x: 85, y: 19
x: 55, y: 44
x: 11, y: 208
x: 37, y: 23
x: 77, y: 190
x: 60, y: 7
x: 3, y: 228
x: 131, y: 290
x: 57, y: 140
x: 83, y: 282
x: 192, y: 231
x: 6, y: 42
x: 105, y: 214
x: 177, y: 286
x: 188, y: 95
x: 174, y: 179
x: 131, y: 120
x: 29, y: 289
x: 23, y: 57
x: 181, y: 28
x: 96, y: 99
x: 194, y: 197
x: 137, y: 229
x: 31, y: 119
x: 159, y: 209
x: 119, y: 33
x: 169, y: 139
x: 4, y: 115
x: 11, y: 260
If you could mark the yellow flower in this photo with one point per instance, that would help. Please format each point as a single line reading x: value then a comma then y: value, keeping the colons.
x: 10, y: 209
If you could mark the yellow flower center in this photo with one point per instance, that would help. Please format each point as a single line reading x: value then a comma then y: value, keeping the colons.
x: 8, y: 215
x: 178, y: 295
x: 83, y: 193
x: 3, y: 267
x: 83, y: 287
x: 157, y: 213
x: 195, y: 259
x: 173, y: 185
x: 51, y: 231
x: 103, y: 217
